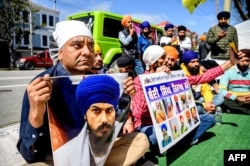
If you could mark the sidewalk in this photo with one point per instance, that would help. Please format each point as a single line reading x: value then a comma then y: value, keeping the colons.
x: 9, y: 154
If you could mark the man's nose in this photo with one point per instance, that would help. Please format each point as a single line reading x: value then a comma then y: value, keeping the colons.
x: 104, y: 118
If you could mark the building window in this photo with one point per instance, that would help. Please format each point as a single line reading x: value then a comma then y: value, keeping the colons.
x: 26, y: 38
x: 51, y: 21
x: 44, y: 20
x: 45, y: 41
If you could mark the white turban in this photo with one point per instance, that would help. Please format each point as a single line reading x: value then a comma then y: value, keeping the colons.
x: 65, y: 30
x: 152, y: 54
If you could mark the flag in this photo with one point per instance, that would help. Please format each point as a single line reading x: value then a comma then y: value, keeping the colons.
x: 192, y: 4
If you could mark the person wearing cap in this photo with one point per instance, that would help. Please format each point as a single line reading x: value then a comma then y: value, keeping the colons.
x: 234, y: 86
x: 219, y: 36
x: 76, y: 57
x: 203, y: 47
x: 97, y: 97
x: 129, y: 43
x: 169, y: 38
x: 144, y: 40
x: 153, y: 57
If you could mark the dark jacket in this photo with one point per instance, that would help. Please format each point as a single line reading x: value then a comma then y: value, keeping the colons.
x: 220, y: 47
x: 204, y: 49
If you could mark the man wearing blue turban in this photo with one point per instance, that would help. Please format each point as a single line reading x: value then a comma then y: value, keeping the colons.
x: 170, y: 38
x: 144, y: 40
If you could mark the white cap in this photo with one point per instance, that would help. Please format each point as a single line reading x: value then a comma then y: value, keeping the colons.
x: 152, y: 54
x: 65, y: 30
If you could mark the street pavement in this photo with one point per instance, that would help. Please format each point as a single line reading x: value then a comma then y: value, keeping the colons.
x: 12, y: 87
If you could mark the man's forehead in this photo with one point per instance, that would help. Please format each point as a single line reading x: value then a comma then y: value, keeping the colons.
x: 82, y: 38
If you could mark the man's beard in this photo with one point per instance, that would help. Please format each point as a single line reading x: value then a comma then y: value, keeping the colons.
x: 194, y: 70
x: 242, y: 68
x: 96, y: 68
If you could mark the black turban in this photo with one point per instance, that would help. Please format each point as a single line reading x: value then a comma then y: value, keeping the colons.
x: 181, y: 28
x: 124, y: 61
x: 223, y: 14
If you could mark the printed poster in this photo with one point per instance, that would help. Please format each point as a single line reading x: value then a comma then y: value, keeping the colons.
x: 171, y: 105
x: 70, y: 143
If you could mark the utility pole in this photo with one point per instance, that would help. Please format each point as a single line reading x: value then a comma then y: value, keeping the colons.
x: 217, y: 6
x: 31, y: 29
x: 54, y: 5
x: 227, y: 6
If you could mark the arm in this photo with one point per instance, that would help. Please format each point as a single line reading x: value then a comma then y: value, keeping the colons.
x: 125, y: 39
x: 211, y: 74
x: 211, y: 36
x: 139, y: 103
x: 34, y: 139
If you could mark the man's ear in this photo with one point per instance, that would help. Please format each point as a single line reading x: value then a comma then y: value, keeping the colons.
x: 60, y: 54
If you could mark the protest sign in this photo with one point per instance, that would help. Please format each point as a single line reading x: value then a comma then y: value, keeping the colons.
x: 171, y: 105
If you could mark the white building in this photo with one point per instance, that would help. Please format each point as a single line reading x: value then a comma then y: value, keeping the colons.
x: 44, y: 22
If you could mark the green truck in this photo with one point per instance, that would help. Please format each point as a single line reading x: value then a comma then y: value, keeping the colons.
x: 105, y: 27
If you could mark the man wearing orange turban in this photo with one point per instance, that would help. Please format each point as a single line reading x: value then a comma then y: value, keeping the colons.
x: 171, y: 58
x: 204, y: 47
x: 129, y: 39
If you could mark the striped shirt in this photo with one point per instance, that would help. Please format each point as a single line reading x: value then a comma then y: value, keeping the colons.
x: 235, y: 83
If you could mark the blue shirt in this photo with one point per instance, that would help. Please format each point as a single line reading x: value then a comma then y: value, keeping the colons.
x: 34, y: 143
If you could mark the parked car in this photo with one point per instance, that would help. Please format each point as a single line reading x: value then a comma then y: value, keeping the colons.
x: 41, y: 59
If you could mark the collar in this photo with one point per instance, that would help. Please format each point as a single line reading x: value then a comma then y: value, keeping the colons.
x: 239, y: 72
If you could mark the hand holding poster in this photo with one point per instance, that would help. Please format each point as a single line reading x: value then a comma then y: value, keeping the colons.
x: 171, y: 105
x: 71, y: 130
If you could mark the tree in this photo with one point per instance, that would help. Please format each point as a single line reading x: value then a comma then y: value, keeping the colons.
x: 14, y: 21
x: 243, y: 8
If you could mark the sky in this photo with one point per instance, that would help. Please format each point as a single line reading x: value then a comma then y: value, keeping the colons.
x: 154, y: 11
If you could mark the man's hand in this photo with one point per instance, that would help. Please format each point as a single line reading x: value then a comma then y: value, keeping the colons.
x: 39, y: 92
x: 235, y: 58
x: 129, y: 88
x: 163, y: 68
x: 222, y: 34
x: 243, y: 99
x: 209, y: 107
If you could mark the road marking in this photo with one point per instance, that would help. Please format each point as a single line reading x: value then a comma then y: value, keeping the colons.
x: 17, y: 78
x: 12, y: 86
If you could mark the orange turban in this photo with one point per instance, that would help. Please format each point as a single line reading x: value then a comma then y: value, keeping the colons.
x: 125, y: 19
x: 203, y: 38
x: 171, y: 51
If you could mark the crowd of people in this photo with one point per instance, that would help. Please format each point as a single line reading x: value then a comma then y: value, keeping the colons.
x: 96, y: 100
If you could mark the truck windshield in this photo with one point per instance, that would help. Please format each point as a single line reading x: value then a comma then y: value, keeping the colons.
x: 88, y: 20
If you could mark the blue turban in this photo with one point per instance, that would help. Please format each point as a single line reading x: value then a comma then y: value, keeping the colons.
x: 188, y: 56
x: 164, y: 127
x: 97, y: 89
x: 145, y: 24
x: 168, y: 26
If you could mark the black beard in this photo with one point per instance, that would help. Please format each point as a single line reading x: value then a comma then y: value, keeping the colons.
x: 194, y: 70
x: 242, y: 68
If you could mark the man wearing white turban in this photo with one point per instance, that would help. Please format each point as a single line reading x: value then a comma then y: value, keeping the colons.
x: 76, y: 57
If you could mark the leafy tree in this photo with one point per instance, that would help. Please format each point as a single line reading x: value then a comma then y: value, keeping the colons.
x: 243, y: 8
x: 14, y: 22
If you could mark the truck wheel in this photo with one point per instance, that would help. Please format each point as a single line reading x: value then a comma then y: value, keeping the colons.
x: 29, y: 66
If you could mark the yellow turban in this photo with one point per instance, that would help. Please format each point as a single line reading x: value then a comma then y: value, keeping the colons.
x: 171, y: 51
x: 125, y: 19
x: 97, y: 48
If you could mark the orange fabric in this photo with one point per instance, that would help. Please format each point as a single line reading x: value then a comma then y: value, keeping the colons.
x: 171, y: 51
x: 203, y: 38
x: 125, y: 19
